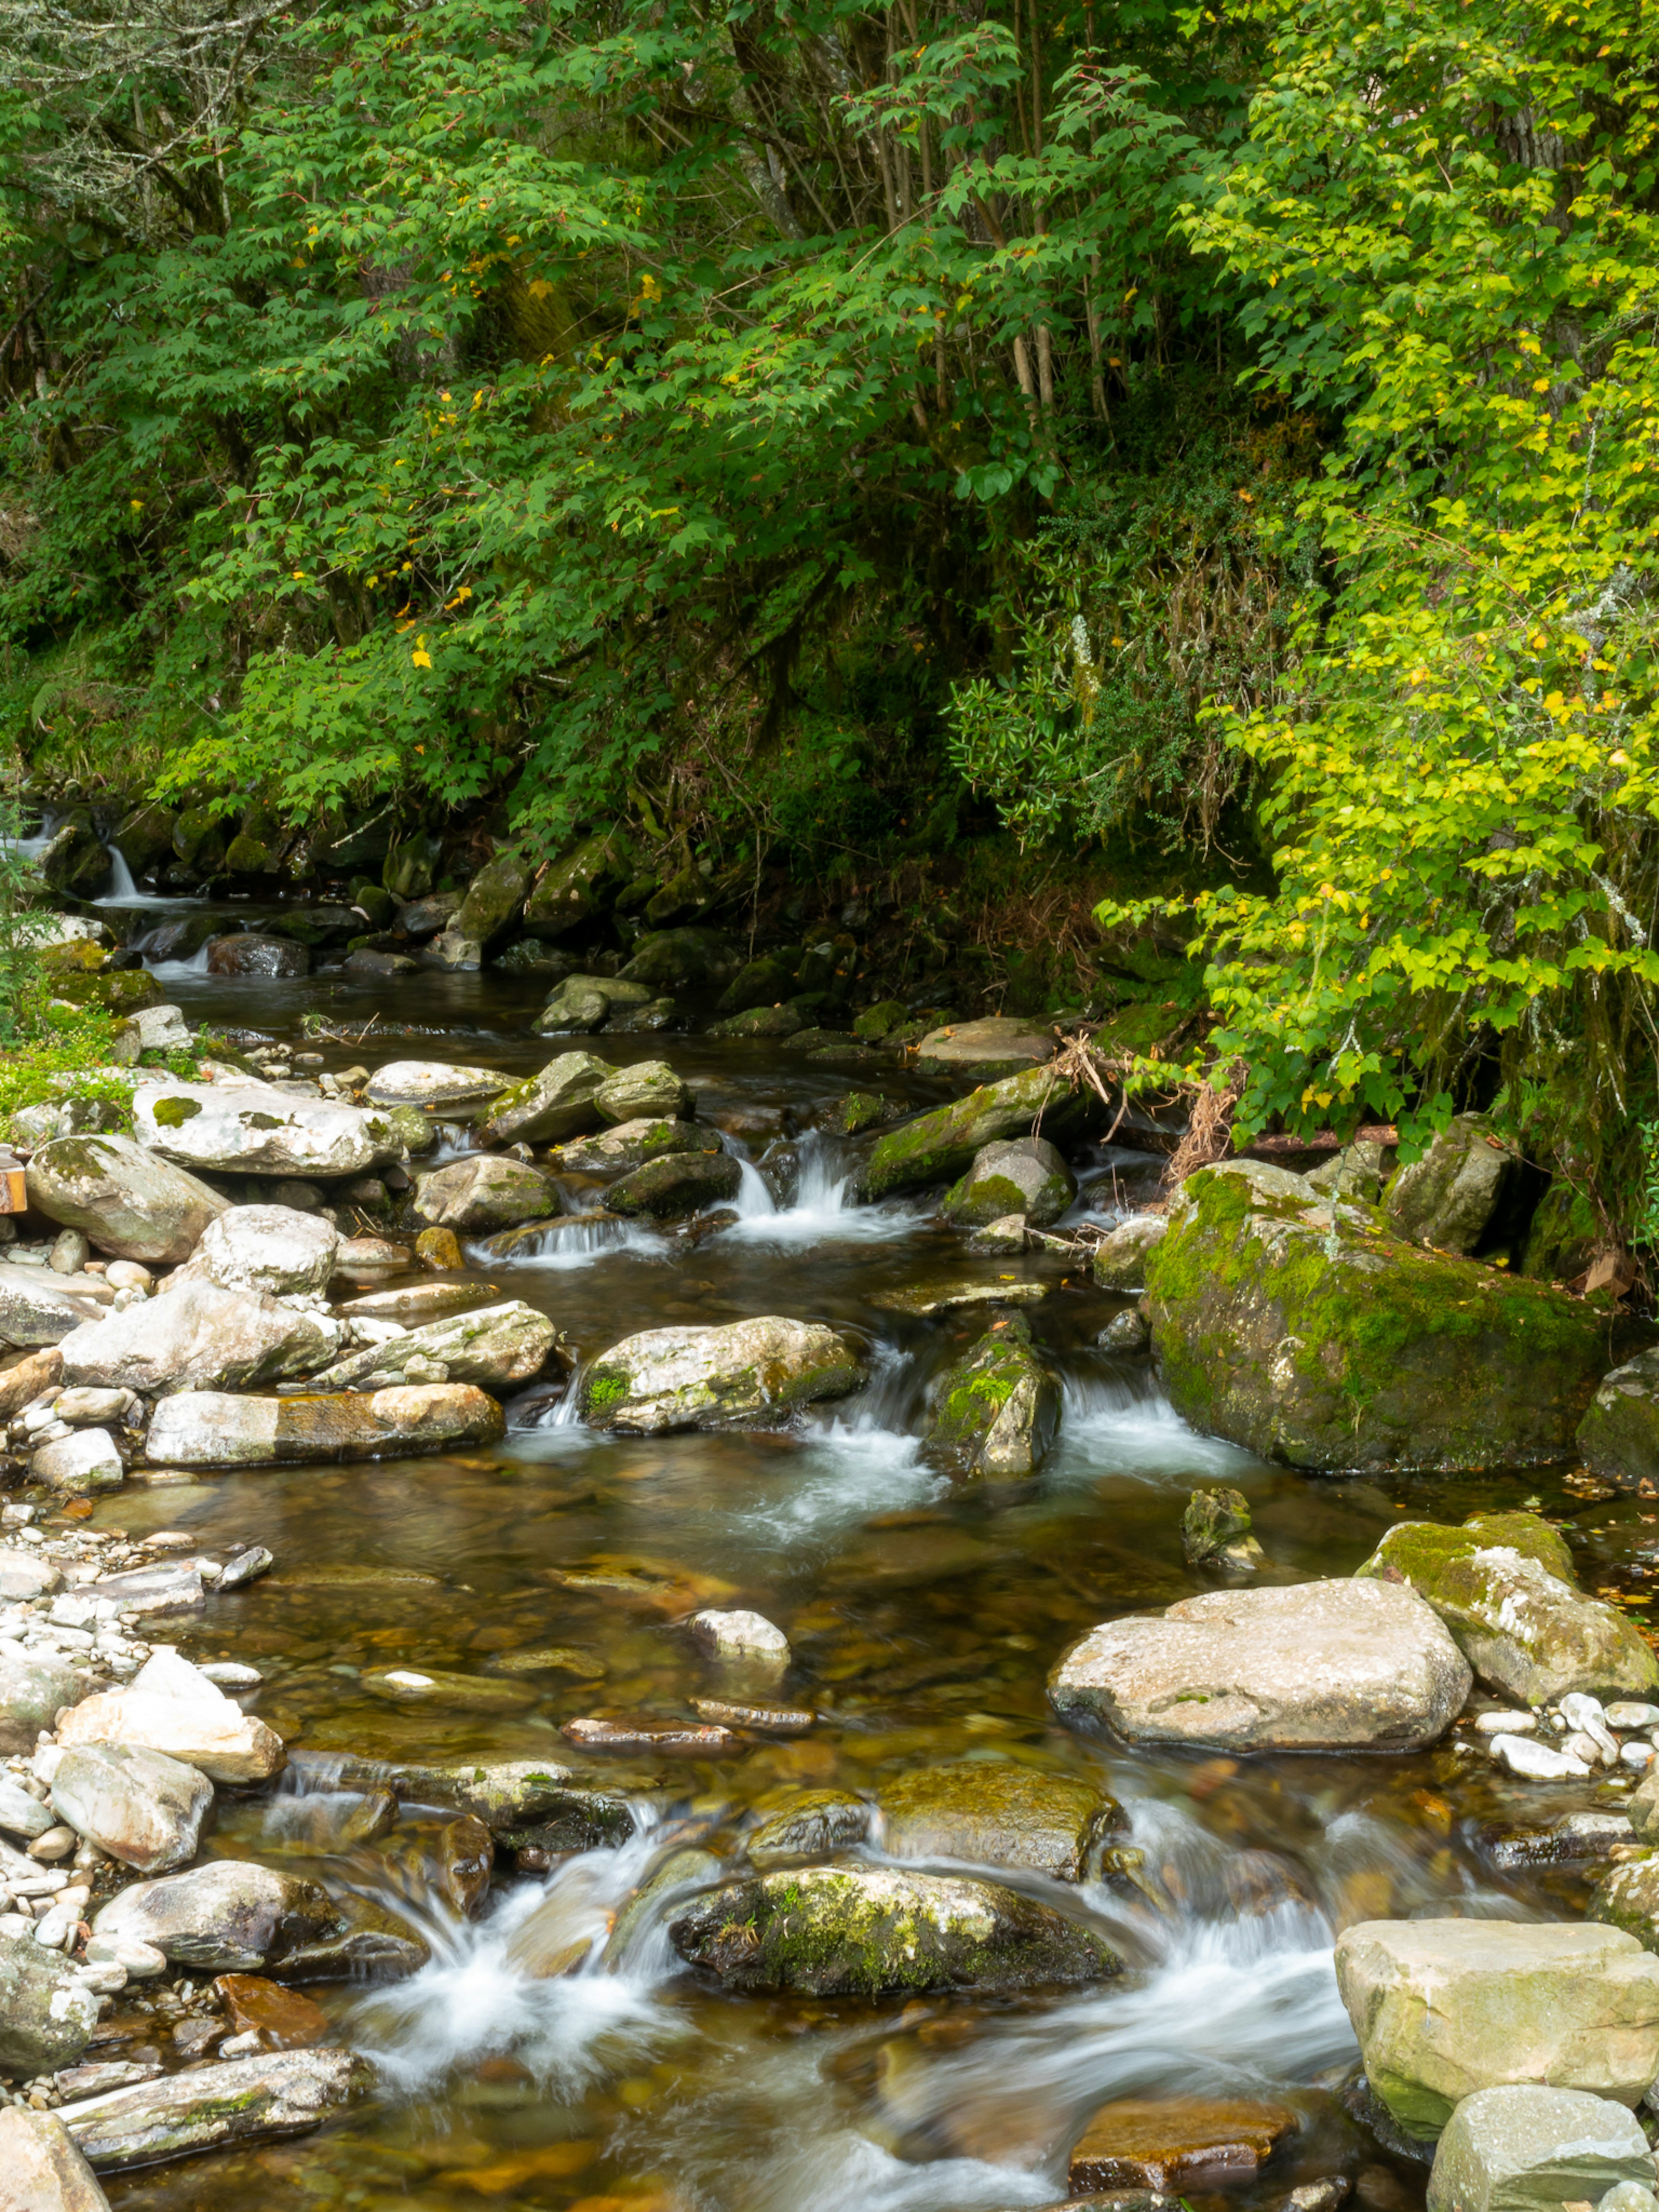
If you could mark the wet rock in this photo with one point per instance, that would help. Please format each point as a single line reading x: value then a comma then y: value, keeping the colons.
x: 997, y: 1815
x: 482, y: 1193
x: 451, y: 951
x: 132, y: 1203
x: 168, y: 1586
x: 439, y: 1685
x: 981, y: 1051
x: 675, y: 960
x: 684, y: 1869
x: 1444, y: 2007
x: 761, y: 1720
x: 1334, y: 1345
x: 505, y: 1794
x: 253, y: 1128
x: 709, y: 1379
x: 138, y: 1806
x: 1531, y: 2150
x: 785, y: 1021
x: 810, y: 1824
x: 44, y: 2169
x: 209, y: 2107
x: 1178, y: 2143
x: 379, y: 966
x: 496, y: 1347
x: 276, y: 958
x: 493, y: 901
x: 1119, y: 1260
x: 438, y: 1249
x: 675, y: 1185
x: 651, y: 1732
x: 1319, y: 1665
x: 997, y: 1409
x: 746, y: 1637
x: 579, y: 885
x: 85, y: 1461
x: 208, y: 1428
x: 632, y: 1145
x: 1018, y: 1174
x: 649, y: 1090
x: 1447, y: 1198
x: 1503, y: 1583
x: 939, y: 1146
x: 1619, y: 1436
x: 466, y: 1859
x: 198, y: 1337
x: 231, y: 1916
x: 582, y: 1004
x: 34, y: 1688
x: 1001, y: 1239
x: 282, y: 2019
x: 1628, y: 1898
x: 834, y: 1931
x: 46, y: 2017
x: 557, y: 1103
x: 1216, y: 1528
x: 762, y: 983
x: 213, y: 1734
x: 273, y: 1251
x: 363, y: 1941
x: 1125, y: 1333
x: 435, y: 1083
x: 35, y: 1309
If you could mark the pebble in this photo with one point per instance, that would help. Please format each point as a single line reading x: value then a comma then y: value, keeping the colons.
x: 1536, y: 1762
x: 1630, y: 1714
x: 1584, y: 1716
x: 1505, y: 1724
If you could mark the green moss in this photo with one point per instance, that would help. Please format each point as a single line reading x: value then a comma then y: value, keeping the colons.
x: 173, y: 1112
x: 606, y: 1386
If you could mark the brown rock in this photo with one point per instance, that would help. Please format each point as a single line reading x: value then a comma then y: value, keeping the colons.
x: 646, y: 1734
x: 42, y: 2165
x: 466, y: 1856
x: 438, y: 1250
x: 765, y: 1720
x: 21, y: 1384
x: 1177, y: 2143
x: 282, y: 2018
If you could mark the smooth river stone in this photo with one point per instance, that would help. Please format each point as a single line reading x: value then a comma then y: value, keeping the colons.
x: 1176, y: 2143
x: 1318, y: 1666
x: 435, y: 1082
x: 707, y: 1378
x: 420, y: 1302
x: 284, y: 2093
x: 44, y: 2169
x: 210, y: 1428
x: 199, y: 1337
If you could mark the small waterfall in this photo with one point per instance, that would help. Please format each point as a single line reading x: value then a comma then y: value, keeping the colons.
x: 1116, y: 1420
x: 825, y: 1205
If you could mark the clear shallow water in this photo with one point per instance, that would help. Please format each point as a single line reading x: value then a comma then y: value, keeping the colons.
x: 924, y: 1618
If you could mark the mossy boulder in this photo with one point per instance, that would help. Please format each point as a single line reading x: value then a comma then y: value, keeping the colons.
x: 683, y: 960
x: 249, y: 856
x: 1017, y: 1175
x: 1301, y: 1329
x: 646, y: 1087
x: 198, y: 840
x: 785, y: 1021
x: 938, y: 1147
x: 1447, y: 1198
x: 1504, y: 1584
x: 632, y: 1145
x: 75, y: 859
x: 877, y: 1022
x: 493, y: 900
x: 1562, y: 1235
x: 1619, y: 1436
x: 411, y: 868
x: 144, y: 839
x: 845, y: 1931
x: 998, y: 1408
x: 677, y: 1184
x: 119, y: 991
x: 1215, y: 1530
x: 747, y: 1371
x: 762, y: 983
x: 581, y: 884
x: 999, y: 1815
x: 482, y: 1193
x: 554, y: 1103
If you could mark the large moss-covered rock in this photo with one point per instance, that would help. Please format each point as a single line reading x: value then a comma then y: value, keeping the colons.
x: 1619, y: 1436
x: 132, y: 1203
x: 1305, y: 1332
x: 579, y: 885
x: 75, y: 859
x: 1447, y: 1198
x: 484, y: 1192
x: 846, y: 1931
x: 555, y: 1103
x: 1119, y: 1261
x: 997, y: 1408
x: 683, y: 960
x: 997, y: 1815
x: 1562, y: 1236
x: 938, y: 1147
x: 1017, y: 1175
x: 765, y: 981
x: 713, y: 1378
x: 631, y: 1144
x: 493, y: 900
x: 144, y: 839
x: 1504, y: 1584
x: 677, y: 1184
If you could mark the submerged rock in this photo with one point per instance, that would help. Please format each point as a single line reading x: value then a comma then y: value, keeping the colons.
x: 1216, y: 1529
x: 709, y: 1378
x: 199, y: 1337
x: 253, y: 1128
x: 208, y: 1428
x: 939, y: 1146
x: 747, y: 1638
x: 843, y: 1931
x: 1447, y: 1198
x: 1504, y: 1584
x: 553, y: 1104
x: 132, y: 1203
x: 998, y: 1408
x: 810, y: 1824
x: 138, y: 1806
x: 280, y: 2092
x: 680, y: 1183
x: 47, y: 2016
x: 1445, y: 2008
x: 1178, y: 2143
x: 997, y: 1815
x: 1532, y: 2149
x: 1303, y: 1333
x: 1025, y: 1176
x: 1321, y: 1665
x: 482, y: 1193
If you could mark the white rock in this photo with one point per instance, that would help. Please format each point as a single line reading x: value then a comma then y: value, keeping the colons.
x: 86, y: 1459
x: 232, y: 1674
x: 253, y: 1128
x: 202, y: 1337
x: 1505, y: 1724
x: 20, y: 1814
x: 94, y: 1408
x: 435, y: 1082
x: 1628, y: 1713
x: 35, y: 1309
x: 44, y: 2169
x: 1590, y: 1748
x: 281, y: 2092
x: 140, y: 1961
x: 128, y: 1275
x: 138, y: 1806
x: 271, y: 1249
x: 24, y: 1575
x: 225, y: 1743
x: 746, y: 1636
x: 1536, y: 1762
x: 168, y: 1673
x: 1638, y: 1755
x: 210, y: 1428
x: 1583, y: 1713
x: 1522, y: 2148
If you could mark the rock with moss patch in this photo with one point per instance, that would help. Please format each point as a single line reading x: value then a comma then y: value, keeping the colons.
x: 765, y: 981
x: 482, y: 1193
x: 747, y: 1371
x: 981, y: 1051
x: 198, y: 1337
x: 843, y: 1931
x: 253, y: 1128
x: 581, y: 884
x: 675, y: 1185
x: 999, y: 1815
x: 1300, y: 1329
x: 555, y: 1103
x: 586, y: 1003
x: 1447, y: 1198
x: 683, y: 960
x: 1119, y: 1261
x: 118, y: 991
x: 1628, y: 1899
x: 648, y: 1087
x: 1018, y: 1174
x: 1504, y: 1584
x: 493, y: 900
x: 939, y: 1146
x: 47, y: 2018
x: 1562, y: 1236
x: 1619, y: 1436
x: 998, y: 1408
x: 631, y: 1144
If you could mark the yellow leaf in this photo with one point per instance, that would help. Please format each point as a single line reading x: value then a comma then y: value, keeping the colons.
x: 423, y: 660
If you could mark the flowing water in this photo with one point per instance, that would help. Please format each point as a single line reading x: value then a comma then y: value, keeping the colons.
x: 923, y: 1616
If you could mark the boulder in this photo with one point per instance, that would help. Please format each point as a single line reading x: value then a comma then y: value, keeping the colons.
x: 132, y: 1203
x: 552, y: 1105
x: 1522, y: 2148
x: 1025, y: 1176
x: 674, y: 960
x: 631, y: 1144
x: 206, y: 1428
x: 47, y: 2018
x: 410, y: 867
x: 277, y: 958
x: 496, y: 1347
x: 153, y: 1028
x: 493, y: 901
x: 435, y: 1083
x: 846, y: 1931
x: 1503, y: 1583
x: 939, y: 1146
x: 200, y: 1337
x: 482, y: 1193
x: 1447, y: 1198
x: 85, y: 1461
x: 649, y: 1090
x: 44, y: 2172
x: 253, y: 1128
x: 675, y: 1185
x: 278, y: 2093
x: 997, y: 1815
x: 35, y: 1309
x: 581, y: 1004
x: 1317, y: 1666
x: 711, y: 1379
x: 981, y: 1051
x: 1444, y: 2007
x: 1619, y: 1436
x: 138, y: 1806
x: 998, y: 1408
x: 220, y: 1739
x: 1627, y: 1897
x: 232, y: 1916
x: 282, y: 2019
x: 26, y: 1574
x: 34, y: 1686
x: 1119, y: 1261
x: 765, y: 981
x: 272, y: 1250
x: 1299, y: 1329
x: 581, y: 884
x: 1178, y: 2144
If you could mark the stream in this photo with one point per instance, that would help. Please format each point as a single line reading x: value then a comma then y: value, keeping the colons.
x: 924, y: 1617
